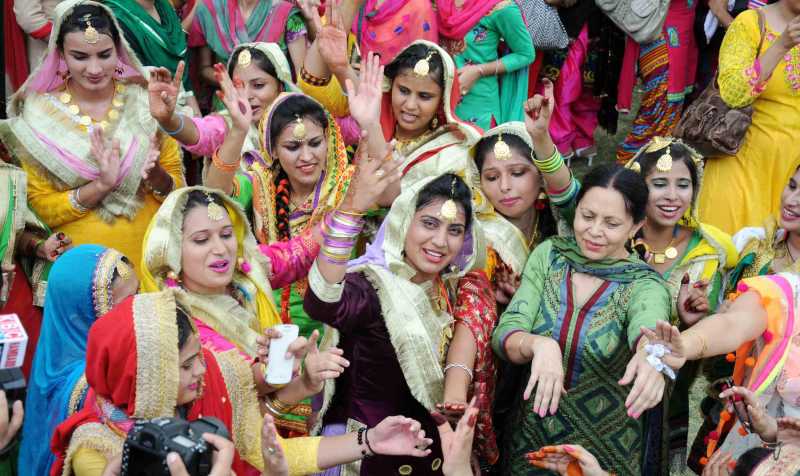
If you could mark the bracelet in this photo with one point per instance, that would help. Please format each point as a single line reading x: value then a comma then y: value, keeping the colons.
x: 480, y: 70
x: 222, y: 166
x: 366, y: 440
x: 339, y: 233
x: 655, y: 352
x: 459, y: 366
x: 75, y: 200
x: 550, y: 164
x: 360, y: 436
x: 158, y: 193
x: 282, y: 406
x: 313, y: 80
x: 176, y: 131
x: 272, y: 407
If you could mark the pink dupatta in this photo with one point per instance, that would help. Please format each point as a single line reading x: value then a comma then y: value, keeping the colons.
x: 455, y: 23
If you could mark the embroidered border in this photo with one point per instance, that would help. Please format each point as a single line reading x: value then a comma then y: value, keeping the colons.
x: 154, y: 322
x: 103, y: 280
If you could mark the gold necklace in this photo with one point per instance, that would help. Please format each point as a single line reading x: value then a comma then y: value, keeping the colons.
x: 406, y: 146
x: 85, y: 120
x: 668, y: 253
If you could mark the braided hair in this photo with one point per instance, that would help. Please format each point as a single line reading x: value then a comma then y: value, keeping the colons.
x: 287, y: 111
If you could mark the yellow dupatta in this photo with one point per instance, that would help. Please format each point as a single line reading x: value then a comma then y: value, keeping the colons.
x: 238, y: 322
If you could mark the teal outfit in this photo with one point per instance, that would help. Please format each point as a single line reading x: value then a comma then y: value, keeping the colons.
x: 487, y: 100
x: 597, y: 340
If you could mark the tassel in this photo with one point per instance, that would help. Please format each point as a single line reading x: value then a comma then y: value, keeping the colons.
x: 767, y: 336
x: 742, y: 287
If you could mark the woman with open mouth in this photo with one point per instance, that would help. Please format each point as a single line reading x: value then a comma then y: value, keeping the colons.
x: 693, y: 258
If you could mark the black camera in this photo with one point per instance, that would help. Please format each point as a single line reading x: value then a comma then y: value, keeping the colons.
x: 150, y: 441
x: 12, y: 381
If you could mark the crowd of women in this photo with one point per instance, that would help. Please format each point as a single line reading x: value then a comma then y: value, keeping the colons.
x: 392, y: 178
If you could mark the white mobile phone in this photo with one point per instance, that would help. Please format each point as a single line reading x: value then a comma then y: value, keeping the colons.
x: 279, y: 368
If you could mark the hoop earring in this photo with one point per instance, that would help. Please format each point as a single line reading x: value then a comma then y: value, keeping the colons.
x: 435, y: 123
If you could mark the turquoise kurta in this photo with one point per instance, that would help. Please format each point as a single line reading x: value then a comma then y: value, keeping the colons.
x: 596, y: 341
x: 487, y: 98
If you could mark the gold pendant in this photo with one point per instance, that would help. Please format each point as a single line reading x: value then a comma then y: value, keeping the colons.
x: 215, y: 212
x: 74, y: 110
x: 501, y: 150
x: 422, y: 68
x: 299, y: 130
x: 85, y: 120
x: 65, y: 98
x: 104, y: 125
x: 120, y: 88
x: 117, y: 102
x: 449, y: 210
x: 658, y: 258
x: 113, y: 114
x: 245, y: 57
x: 671, y: 252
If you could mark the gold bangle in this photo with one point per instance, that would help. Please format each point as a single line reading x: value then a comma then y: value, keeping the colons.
x: 703, y: 343
x: 272, y: 407
x: 282, y: 406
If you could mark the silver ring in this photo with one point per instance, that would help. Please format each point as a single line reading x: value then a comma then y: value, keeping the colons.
x: 270, y: 450
x: 379, y: 173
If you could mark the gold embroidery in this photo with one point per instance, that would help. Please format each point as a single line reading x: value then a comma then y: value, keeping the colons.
x: 246, y: 419
x: 156, y: 335
x: 77, y: 395
x: 94, y: 436
x: 103, y: 281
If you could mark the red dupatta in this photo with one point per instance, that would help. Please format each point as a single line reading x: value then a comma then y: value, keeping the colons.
x: 451, y: 96
x: 455, y: 23
x: 146, y: 325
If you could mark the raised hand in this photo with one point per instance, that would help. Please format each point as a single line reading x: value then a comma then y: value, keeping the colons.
x: 670, y: 337
x: 107, y: 159
x: 365, y: 100
x: 547, y: 376
x: 371, y: 178
x: 692, y: 302
x: 457, y: 445
x: 566, y: 460
x: 232, y: 94
x: 398, y: 435
x: 506, y: 283
x: 332, y: 40
x: 648, y: 385
x: 311, y: 13
x: 275, y: 463
x: 163, y: 91
x: 539, y: 110
x: 322, y: 366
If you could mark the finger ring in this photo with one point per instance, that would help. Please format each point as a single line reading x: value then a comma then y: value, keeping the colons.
x: 463, y: 92
x: 271, y: 450
x: 379, y: 173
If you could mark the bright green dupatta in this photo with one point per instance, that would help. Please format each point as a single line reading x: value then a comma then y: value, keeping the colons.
x: 618, y: 270
x: 155, y: 43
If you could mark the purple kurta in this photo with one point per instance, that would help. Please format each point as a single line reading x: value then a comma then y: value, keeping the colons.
x: 373, y: 387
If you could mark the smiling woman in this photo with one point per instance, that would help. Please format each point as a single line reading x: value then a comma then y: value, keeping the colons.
x: 609, y: 294
x: 103, y: 176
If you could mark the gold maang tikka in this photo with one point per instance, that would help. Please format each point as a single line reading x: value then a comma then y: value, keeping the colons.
x: 501, y: 150
x: 90, y: 34
x: 423, y: 66
x: 245, y: 57
x: 215, y: 212
x: 299, y: 130
x: 664, y: 163
x: 449, y: 210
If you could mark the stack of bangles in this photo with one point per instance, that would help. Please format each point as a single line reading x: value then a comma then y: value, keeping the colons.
x: 340, y: 229
x: 550, y: 164
x: 222, y: 166
x: 277, y: 408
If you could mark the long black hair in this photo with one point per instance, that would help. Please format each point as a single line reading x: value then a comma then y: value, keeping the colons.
x: 546, y: 221
x: 81, y: 17
x: 447, y: 186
